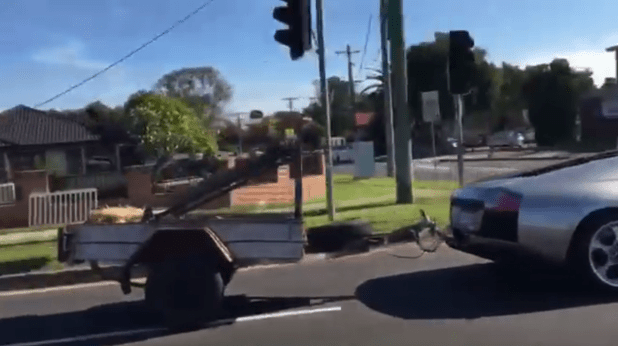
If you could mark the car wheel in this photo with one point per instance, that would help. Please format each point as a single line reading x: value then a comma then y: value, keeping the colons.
x: 184, y: 291
x: 595, y: 255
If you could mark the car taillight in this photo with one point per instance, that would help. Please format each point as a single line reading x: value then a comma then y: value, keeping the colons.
x: 504, y: 201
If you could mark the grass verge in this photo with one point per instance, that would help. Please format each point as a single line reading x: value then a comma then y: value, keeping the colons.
x: 24, y: 258
x: 373, y: 200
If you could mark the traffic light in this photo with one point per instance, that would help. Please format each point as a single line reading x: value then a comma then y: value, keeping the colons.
x: 297, y: 16
x: 461, y: 62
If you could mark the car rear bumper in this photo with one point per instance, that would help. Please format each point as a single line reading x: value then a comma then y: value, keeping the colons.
x: 493, y: 249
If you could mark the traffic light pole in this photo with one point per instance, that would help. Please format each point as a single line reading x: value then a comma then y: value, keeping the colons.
x: 403, y: 151
x: 460, y: 146
x: 324, y: 92
x: 459, y: 72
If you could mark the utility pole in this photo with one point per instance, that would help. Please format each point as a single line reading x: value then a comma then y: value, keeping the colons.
x: 324, y: 92
x: 386, y: 75
x: 351, y: 80
x: 291, y: 102
x: 615, y: 50
x: 239, y: 135
x: 403, y: 141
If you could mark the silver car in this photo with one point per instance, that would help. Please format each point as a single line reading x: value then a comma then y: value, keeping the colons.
x: 564, y: 214
x: 506, y: 139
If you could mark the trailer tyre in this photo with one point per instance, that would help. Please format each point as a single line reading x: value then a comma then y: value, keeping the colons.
x: 185, y: 291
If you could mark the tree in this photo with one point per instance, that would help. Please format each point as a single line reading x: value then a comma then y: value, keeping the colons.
x: 342, y: 121
x: 609, y: 83
x: 168, y: 125
x: 552, y: 93
x: 427, y: 71
x: 108, y: 122
x: 202, y: 88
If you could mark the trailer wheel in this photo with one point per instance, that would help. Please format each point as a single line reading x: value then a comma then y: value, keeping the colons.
x: 185, y: 290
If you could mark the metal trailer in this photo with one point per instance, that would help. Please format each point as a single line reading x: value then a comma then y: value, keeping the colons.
x: 190, y: 259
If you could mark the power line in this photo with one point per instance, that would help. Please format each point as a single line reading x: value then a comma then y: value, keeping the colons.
x: 366, y: 41
x: 204, y: 5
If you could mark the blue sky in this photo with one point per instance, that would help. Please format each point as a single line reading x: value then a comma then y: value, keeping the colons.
x: 48, y: 45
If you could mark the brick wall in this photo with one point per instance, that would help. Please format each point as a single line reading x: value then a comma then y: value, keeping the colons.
x: 16, y: 215
x: 141, y: 193
x: 282, y: 192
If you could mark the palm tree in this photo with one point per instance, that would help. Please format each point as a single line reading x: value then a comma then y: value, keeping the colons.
x: 377, y: 87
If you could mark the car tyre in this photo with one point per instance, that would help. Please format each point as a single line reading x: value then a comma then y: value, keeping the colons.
x: 184, y: 291
x: 592, y: 247
x: 337, y: 236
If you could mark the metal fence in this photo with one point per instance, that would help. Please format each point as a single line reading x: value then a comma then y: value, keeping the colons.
x: 7, y: 193
x: 62, y: 207
x: 102, y: 181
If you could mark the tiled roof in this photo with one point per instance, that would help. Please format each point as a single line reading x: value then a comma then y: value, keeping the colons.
x: 27, y: 126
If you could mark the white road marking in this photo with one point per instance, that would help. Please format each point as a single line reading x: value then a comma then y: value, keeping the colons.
x: 57, y: 289
x: 287, y: 314
x: 85, y: 338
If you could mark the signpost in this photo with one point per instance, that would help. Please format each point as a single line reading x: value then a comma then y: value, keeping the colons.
x: 431, y: 114
x: 610, y: 109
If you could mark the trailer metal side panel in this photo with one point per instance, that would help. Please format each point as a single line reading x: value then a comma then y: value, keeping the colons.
x: 116, y: 253
x: 257, y: 230
x: 119, y: 233
x: 248, y: 239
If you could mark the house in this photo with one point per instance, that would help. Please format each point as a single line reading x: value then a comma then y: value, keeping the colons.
x: 60, y: 145
x: 598, y: 114
x: 35, y: 140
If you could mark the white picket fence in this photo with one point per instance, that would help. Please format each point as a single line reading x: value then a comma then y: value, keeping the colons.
x: 62, y: 207
x: 7, y: 193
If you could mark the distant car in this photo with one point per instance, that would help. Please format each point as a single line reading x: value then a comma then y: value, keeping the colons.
x: 506, y: 139
x: 529, y: 136
x: 343, y: 153
x: 469, y: 141
x: 565, y: 214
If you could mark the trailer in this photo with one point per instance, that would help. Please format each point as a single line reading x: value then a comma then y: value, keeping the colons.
x: 191, y: 259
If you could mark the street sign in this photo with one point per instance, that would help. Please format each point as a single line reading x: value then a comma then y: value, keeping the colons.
x: 431, y: 106
x: 610, y: 109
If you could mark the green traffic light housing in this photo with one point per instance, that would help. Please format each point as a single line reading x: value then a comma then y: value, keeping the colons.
x: 297, y: 16
x: 461, y: 62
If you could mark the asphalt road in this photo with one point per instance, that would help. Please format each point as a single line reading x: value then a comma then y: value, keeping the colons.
x: 387, y: 297
x: 426, y: 170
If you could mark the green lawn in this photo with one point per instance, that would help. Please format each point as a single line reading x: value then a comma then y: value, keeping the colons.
x: 372, y: 200
x: 26, y: 229
x: 23, y: 258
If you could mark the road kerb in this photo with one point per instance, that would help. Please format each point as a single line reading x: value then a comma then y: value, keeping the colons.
x: 509, y: 159
x: 29, y: 281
